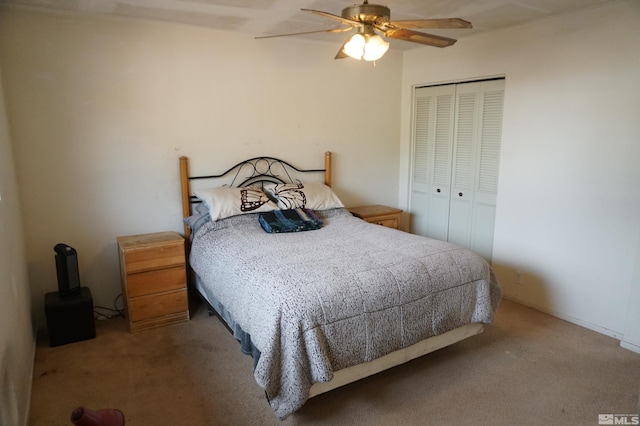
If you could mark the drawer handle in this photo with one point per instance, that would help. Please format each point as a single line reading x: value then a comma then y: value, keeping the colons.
x: 460, y: 194
x: 438, y: 190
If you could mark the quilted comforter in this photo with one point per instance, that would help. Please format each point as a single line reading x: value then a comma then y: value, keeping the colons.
x: 318, y: 301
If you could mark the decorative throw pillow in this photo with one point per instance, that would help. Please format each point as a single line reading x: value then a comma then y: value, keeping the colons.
x: 226, y: 201
x: 312, y: 195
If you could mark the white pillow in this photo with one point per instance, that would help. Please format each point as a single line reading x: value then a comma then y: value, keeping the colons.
x: 225, y: 201
x: 312, y: 195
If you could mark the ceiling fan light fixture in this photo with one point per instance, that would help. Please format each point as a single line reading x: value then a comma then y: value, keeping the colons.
x: 375, y: 48
x: 354, y: 47
x: 368, y: 46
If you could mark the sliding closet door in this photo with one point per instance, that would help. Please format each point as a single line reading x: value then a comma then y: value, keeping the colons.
x: 457, y: 201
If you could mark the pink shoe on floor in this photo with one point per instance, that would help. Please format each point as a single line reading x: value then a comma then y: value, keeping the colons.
x: 107, y: 417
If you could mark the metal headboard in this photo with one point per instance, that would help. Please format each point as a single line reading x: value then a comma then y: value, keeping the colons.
x: 257, y: 170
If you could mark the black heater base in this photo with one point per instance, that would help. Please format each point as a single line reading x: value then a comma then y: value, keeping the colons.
x: 69, y: 319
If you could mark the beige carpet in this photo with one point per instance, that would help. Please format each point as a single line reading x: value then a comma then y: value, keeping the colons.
x: 528, y: 368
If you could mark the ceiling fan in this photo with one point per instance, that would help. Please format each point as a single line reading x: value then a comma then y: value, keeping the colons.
x: 369, y: 19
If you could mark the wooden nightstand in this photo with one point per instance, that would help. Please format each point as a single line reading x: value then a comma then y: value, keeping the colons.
x: 380, y: 215
x: 154, y: 280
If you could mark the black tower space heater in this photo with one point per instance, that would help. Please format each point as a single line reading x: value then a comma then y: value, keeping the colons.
x: 67, y: 269
x: 69, y: 310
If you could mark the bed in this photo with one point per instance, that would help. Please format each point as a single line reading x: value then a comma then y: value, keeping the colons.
x: 332, y: 300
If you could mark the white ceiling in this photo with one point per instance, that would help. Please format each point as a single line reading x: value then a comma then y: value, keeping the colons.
x: 267, y: 17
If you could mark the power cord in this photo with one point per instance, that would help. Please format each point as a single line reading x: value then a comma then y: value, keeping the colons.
x: 115, y: 312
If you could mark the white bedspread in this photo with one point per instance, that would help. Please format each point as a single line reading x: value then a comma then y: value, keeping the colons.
x: 318, y: 301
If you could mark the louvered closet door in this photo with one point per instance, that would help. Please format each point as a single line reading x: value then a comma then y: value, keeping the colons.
x: 432, y: 153
x: 469, y: 191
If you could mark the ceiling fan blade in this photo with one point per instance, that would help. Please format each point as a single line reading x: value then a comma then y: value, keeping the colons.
x: 341, y: 54
x: 334, y: 17
x: 431, y: 23
x: 330, y: 30
x: 418, y: 37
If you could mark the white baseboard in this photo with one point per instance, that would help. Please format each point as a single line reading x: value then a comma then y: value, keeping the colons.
x: 630, y: 346
x: 598, y: 329
x: 602, y: 330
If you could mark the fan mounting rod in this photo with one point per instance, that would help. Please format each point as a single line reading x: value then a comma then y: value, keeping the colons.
x: 367, y: 13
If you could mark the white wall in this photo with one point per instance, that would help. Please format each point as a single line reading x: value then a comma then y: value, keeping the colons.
x: 568, y: 198
x: 17, y: 340
x: 101, y: 110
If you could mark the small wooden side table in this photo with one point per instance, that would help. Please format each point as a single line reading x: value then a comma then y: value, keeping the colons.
x: 378, y: 214
x: 154, y: 280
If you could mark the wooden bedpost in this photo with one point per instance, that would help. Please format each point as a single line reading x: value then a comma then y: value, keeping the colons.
x: 327, y: 168
x: 184, y: 186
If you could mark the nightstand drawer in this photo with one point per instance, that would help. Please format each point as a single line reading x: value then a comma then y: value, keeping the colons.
x: 389, y: 223
x: 157, y: 305
x: 158, y: 281
x: 154, y: 257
